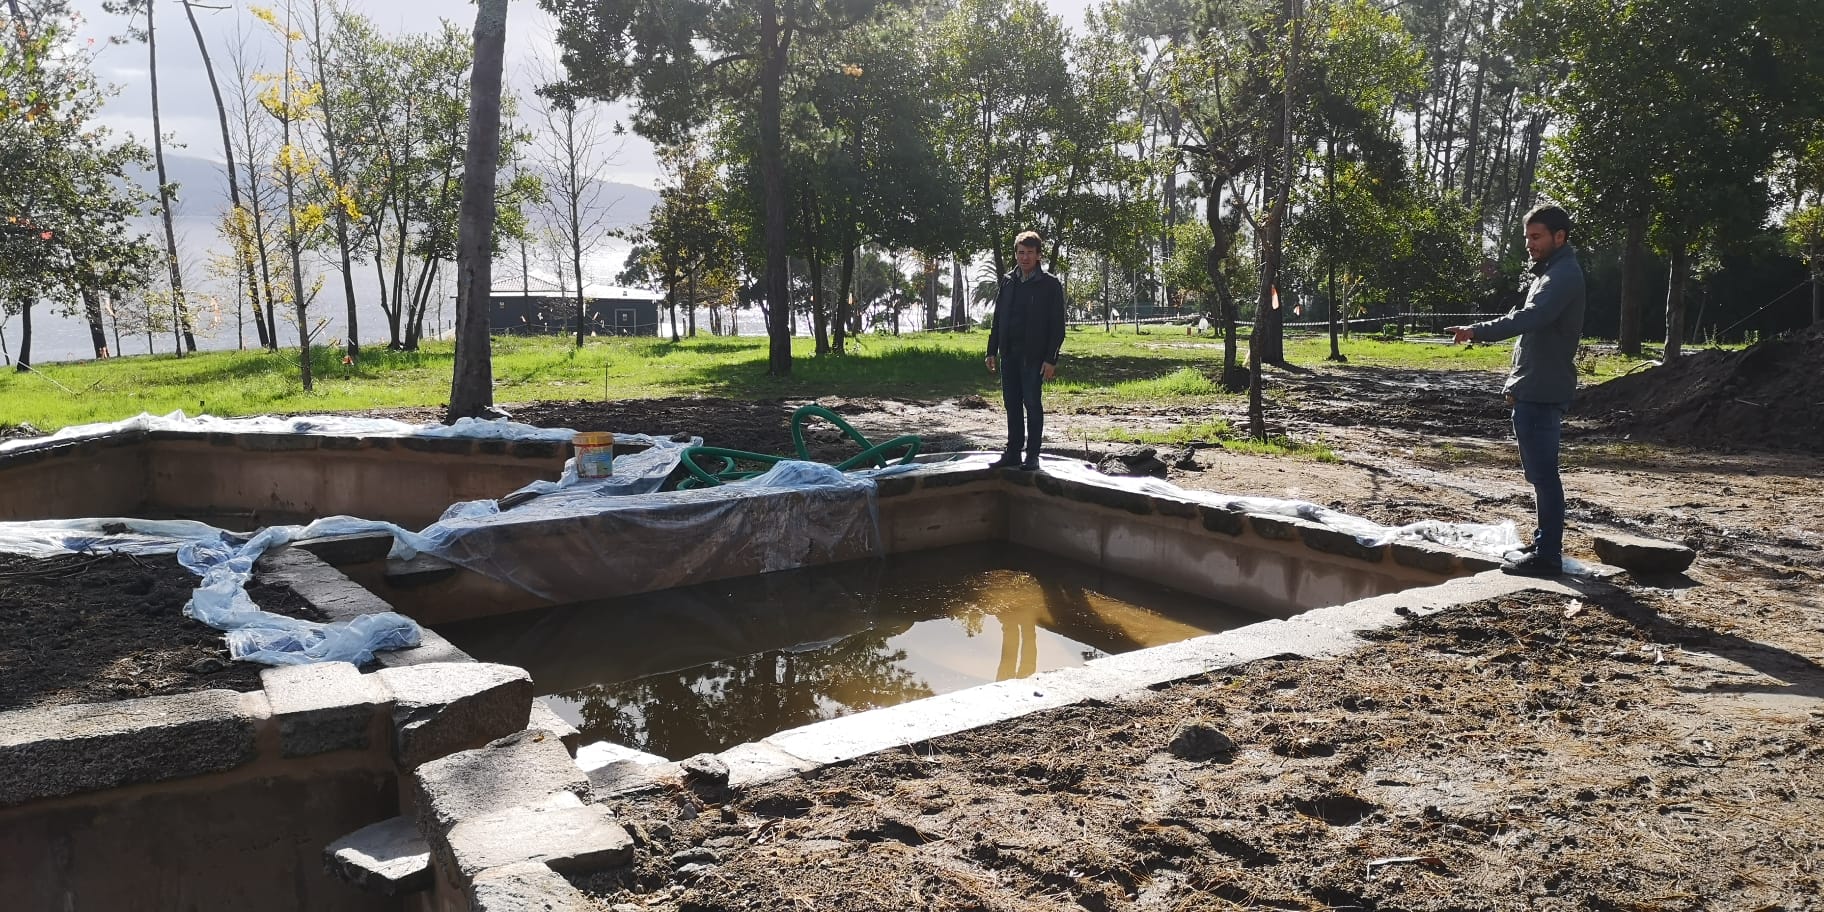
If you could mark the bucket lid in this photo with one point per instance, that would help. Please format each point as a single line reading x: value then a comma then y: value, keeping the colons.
x: 593, y: 438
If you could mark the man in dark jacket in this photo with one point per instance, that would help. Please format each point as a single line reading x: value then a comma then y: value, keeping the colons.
x: 1544, y: 376
x: 1023, y: 343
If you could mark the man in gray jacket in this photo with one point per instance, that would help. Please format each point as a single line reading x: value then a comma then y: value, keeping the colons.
x: 1544, y: 376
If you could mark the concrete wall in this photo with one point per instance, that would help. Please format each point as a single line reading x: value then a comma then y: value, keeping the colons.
x: 246, y: 481
x: 250, y: 840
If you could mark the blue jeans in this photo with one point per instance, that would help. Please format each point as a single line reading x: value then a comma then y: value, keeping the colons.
x: 1537, y: 427
x: 1021, y: 383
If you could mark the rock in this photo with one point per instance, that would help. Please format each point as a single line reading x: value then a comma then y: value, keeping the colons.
x: 1200, y: 741
x: 695, y: 855
x: 1186, y: 460
x: 1643, y: 555
x: 1133, y: 460
x: 707, y: 769
x: 207, y: 666
x: 524, y: 886
x: 388, y: 858
x: 972, y: 401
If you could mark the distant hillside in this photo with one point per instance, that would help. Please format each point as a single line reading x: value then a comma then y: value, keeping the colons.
x: 202, y: 192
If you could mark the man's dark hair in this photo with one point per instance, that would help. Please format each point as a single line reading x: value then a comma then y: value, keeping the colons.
x: 1029, y: 239
x: 1554, y: 218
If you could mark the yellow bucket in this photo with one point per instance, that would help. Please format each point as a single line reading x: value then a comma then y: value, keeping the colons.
x: 594, y: 454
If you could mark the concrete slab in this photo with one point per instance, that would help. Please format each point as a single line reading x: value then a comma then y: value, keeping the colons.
x: 52, y: 751
x: 591, y: 757
x: 444, y: 707
x: 323, y: 707
x: 564, y: 834
x: 523, y: 769
x: 758, y: 762
x: 389, y: 858
x: 525, y: 887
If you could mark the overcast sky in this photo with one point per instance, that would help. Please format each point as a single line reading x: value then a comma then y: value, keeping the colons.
x: 188, y: 110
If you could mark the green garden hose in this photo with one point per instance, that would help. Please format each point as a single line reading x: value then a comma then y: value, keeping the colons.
x: 738, y: 465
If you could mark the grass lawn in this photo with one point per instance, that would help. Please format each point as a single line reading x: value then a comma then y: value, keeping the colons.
x: 1159, y: 366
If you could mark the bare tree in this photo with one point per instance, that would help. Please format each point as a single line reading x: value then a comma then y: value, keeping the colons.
x: 234, y: 225
x: 255, y: 144
x: 472, y: 384
x: 336, y: 180
x: 165, y: 194
x: 573, y: 151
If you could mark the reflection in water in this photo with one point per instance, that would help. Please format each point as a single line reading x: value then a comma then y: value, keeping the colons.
x: 705, y: 667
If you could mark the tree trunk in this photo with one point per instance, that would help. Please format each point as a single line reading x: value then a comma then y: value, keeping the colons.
x: 576, y: 266
x: 1221, y: 241
x: 1675, y: 300
x: 774, y: 46
x: 241, y: 251
x: 472, y: 386
x: 1336, y: 352
x: 1266, y: 344
x: 959, y: 308
x: 1633, y: 250
x: 164, y: 195
x: 842, y: 299
x: 24, y: 362
x: 91, y: 310
x: 1817, y: 287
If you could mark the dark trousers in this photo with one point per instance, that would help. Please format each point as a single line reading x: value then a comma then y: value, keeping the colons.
x: 1537, y: 427
x: 1022, y: 380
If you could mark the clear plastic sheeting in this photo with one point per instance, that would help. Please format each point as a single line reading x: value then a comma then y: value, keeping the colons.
x: 257, y: 635
x: 225, y: 560
x: 577, y: 547
x: 1490, y: 539
x: 324, y: 425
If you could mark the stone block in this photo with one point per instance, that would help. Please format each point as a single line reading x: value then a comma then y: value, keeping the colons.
x: 1338, y: 542
x: 1223, y: 519
x: 321, y: 707
x: 444, y: 707
x: 544, y: 718
x: 895, y: 485
x: 526, y: 887
x: 757, y: 762
x: 1430, y: 558
x: 389, y: 858
x: 1277, y: 528
x: 446, y: 446
x: 336, y: 550
x: 420, y: 570
x: 432, y: 647
x: 631, y: 777
x: 277, y: 443
x: 52, y: 751
x: 1643, y: 555
x: 525, y: 768
x: 1179, y: 509
x: 594, y: 756
x: 564, y: 834
x: 1108, y: 496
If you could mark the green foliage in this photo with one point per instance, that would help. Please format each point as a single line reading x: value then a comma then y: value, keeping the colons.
x: 66, y: 192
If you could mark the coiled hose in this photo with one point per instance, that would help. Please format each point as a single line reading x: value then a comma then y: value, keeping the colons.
x: 737, y: 465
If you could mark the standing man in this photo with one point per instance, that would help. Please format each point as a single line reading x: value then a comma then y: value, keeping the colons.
x: 1544, y: 376
x: 1023, y: 343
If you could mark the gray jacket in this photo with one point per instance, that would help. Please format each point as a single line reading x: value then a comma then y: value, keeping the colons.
x: 1549, y: 324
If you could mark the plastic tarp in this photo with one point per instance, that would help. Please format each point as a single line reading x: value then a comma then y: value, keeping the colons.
x: 225, y: 560
x: 563, y: 548
x: 1495, y: 540
x: 328, y: 425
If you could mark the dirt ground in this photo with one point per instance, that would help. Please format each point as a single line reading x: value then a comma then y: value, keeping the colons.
x: 1655, y: 748
x: 88, y: 628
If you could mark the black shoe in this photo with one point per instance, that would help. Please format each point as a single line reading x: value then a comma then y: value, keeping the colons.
x: 1534, y: 565
x: 1007, y: 461
x: 1030, y: 465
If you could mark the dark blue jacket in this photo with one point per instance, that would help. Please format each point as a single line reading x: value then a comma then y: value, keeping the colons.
x: 1549, y: 324
x: 1028, y: 317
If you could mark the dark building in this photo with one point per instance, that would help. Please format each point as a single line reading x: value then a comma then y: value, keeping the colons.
x: 547, y: 312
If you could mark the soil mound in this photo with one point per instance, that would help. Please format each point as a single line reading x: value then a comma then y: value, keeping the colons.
x: 1769, y: 396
